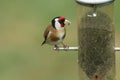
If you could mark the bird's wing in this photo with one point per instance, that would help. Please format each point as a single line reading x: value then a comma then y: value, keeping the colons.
x: 46, y: 33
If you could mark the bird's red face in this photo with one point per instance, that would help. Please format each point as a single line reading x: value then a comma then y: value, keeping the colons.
x: 60, y: 22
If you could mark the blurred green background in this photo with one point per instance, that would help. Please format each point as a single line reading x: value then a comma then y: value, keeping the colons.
x: 22, y: 23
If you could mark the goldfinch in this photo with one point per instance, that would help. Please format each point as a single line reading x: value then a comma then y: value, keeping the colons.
x: 56, y: 32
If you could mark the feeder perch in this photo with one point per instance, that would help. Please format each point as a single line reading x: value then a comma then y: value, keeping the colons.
x: 76, y: 49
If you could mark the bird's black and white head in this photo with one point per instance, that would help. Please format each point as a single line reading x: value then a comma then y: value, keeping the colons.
x: 59, y: 22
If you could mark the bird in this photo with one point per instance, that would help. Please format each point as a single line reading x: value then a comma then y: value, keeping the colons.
x: 55, y: 32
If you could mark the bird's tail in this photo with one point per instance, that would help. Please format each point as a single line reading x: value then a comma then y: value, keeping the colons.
x: 43, y: 43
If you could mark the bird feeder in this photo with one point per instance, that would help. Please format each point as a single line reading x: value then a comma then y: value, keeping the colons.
x: 96, y: 54
x: 96, y: 40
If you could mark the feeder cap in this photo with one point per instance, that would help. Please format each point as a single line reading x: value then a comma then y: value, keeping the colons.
x: 94, y: 2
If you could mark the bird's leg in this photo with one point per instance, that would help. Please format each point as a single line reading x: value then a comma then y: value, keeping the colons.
x: 56, y: 47
x: 65, y: 46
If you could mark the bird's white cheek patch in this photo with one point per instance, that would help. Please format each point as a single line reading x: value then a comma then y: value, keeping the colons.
x: 59, y: 26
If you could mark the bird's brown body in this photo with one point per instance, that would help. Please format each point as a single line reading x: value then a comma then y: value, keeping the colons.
x: 53, y: 36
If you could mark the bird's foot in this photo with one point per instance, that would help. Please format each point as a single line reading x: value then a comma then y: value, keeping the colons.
x: 56, y: 47
x: 66, y: 47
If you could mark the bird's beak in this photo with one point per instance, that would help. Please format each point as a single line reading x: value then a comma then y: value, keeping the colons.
x: 67, y: 22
